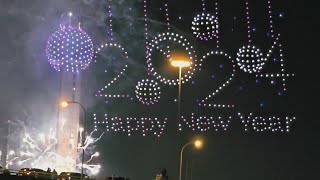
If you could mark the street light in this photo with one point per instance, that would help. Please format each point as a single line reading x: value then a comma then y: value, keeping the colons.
x: 65, y: 104
x: 181, y: 64
x: 197, y: 144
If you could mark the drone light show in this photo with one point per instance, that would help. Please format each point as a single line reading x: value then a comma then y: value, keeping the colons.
x: 70, y: 48
x: 112, y: 63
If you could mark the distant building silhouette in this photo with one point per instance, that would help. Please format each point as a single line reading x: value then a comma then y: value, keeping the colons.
x: 116, y: 178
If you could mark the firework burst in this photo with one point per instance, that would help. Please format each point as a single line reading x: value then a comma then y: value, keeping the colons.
x: 39, y: 151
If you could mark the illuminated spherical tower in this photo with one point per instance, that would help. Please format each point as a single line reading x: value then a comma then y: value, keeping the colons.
x: 69, y: 50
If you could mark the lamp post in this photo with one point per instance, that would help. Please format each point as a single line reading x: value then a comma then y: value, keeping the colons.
x: 65, y: 104
x: 181, y: 64
x: 197, y: 144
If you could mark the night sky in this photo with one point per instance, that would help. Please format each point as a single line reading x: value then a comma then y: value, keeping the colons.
x: 30, y: 86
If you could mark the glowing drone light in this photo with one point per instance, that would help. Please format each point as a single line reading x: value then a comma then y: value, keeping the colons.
x: 148, y: 91
x: 132, y: 125
x: 205, y: 26
x: 250, y: 59
x: 204, y: 102
x: 266, y: 123
x: 204, y: 123
x: 176, y: 38
x: 70, y: 48
x: 122, y: 72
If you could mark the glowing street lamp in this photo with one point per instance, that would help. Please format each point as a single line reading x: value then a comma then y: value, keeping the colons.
x: 197, y: 144
x: 181, y: 64
x: 65, y: 104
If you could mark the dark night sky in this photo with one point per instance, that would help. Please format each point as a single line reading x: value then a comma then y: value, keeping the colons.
x: 30, y: 87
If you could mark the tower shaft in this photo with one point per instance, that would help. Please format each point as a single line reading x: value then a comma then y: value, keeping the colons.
x: 68, y: 122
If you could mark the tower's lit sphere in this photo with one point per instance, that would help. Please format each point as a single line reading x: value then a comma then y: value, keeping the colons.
x: 148, y: 91
x: 69, y: 49
x: 205, y: 26
x: 250, y: 59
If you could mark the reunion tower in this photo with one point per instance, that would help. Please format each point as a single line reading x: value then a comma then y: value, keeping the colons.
x: 69, y: 50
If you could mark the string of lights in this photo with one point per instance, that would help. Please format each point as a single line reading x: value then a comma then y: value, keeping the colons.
x: 270, y: 17
x: 167, y: 15
x: 145, y: 14
x: 203, y: 5
x: 216, y: 8
x: 276, y: 75
x: 247, y: 11
x: 216, y: 105
x: 110, y: 32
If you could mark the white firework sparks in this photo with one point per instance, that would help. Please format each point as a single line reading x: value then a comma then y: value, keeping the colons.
x: 11, y: 157
x: 39, y: 151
